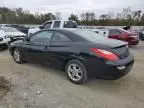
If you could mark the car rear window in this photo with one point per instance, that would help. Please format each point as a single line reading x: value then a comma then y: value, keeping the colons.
x: 89, y: 35
x: 125, y: 31
x: 115, y: 32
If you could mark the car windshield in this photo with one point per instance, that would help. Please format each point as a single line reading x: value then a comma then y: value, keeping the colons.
x: 125, y: 31
x: 89, y: 35
x: 7, y: 29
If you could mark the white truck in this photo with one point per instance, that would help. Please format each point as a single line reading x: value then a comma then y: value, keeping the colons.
x: 54, y: 24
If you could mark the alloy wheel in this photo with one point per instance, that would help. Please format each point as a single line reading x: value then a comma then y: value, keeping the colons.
x: 16, y: 55
x: 74, y: 72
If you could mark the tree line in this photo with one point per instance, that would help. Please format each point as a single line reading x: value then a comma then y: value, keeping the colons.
x: 19, y: 16
x: 125, y: 18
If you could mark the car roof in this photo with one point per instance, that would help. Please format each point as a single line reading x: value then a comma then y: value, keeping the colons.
x: 65, y: 29
x: 57, y: 20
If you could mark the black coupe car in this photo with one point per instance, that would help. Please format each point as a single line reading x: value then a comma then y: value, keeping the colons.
x: 82, y: 53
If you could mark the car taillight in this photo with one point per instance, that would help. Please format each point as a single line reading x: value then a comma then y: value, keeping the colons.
x: 134, y: 36
x: 105, y: 54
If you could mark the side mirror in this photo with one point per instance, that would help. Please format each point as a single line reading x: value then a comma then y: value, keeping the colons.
x: 41, y: 27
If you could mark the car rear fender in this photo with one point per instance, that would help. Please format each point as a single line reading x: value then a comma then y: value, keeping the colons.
x: 78, y: 57
x: 11, y: 50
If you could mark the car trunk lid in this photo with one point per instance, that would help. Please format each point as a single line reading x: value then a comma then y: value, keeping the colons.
x: 118, y: 47
x: 121, y: 51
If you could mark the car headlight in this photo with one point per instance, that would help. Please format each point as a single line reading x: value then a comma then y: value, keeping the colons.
x: 1, y: 39
x: 6, y: 36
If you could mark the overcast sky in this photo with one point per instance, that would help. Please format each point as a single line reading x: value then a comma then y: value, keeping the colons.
x: 73, y: 6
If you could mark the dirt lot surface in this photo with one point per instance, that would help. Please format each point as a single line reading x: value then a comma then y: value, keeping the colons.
x: 38, y: 86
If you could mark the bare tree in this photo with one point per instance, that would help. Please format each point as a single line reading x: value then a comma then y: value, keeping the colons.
x: 137, y: 15
x: 103, y: 17
x: 110, y: 15
x: 83, y: 16
x: 142, y: 19
x: 118, y: 15
x: 88, y: 16
x: 126, y: 12
x: 58, y: 15
x: 92, y: 16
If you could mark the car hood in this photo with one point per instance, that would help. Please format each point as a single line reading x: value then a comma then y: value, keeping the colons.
x: 12, y: 34
x: 2, y: 34
x: 17, y: 42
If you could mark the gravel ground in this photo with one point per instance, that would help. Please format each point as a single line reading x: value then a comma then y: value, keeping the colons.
x: 39, y: 86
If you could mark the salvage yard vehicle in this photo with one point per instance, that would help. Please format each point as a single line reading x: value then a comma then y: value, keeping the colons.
x: 141, y: 34
x: 54, y: 24
x: 19, y: 27
x: 7, y: 34
x: 82, y: 53
x: 119, y: 34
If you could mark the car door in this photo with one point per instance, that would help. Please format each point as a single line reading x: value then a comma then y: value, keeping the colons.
x: 114, y: 34
x: 37, y: 45
x: 59, y: 48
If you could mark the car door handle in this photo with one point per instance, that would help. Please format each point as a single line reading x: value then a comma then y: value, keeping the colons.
x: 46, y: 47
x: 28, y: 44
x: 41, y: 52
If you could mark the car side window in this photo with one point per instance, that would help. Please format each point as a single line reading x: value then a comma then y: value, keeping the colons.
x: 47, y: 25
x: 114, y: 32
x: 70, y: 24
x: 56, y: 24
x: 59, y: 37
x: 43, y: 36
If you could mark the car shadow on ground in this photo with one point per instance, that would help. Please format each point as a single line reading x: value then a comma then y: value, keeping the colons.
x: 140, y: 46
x: 49, y: 68
x: 111, y: 86
x: 3, y: 49
x: 106, y: 85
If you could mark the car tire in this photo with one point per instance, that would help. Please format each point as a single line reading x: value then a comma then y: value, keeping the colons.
x: 141, y: 36
x: 77, y: 75
x: 17, y: 55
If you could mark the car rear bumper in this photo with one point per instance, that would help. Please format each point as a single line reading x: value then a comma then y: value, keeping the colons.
x: 4, y: 42
x: 111, y: 70
x: 3, y: 45
x: 133, y: 42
